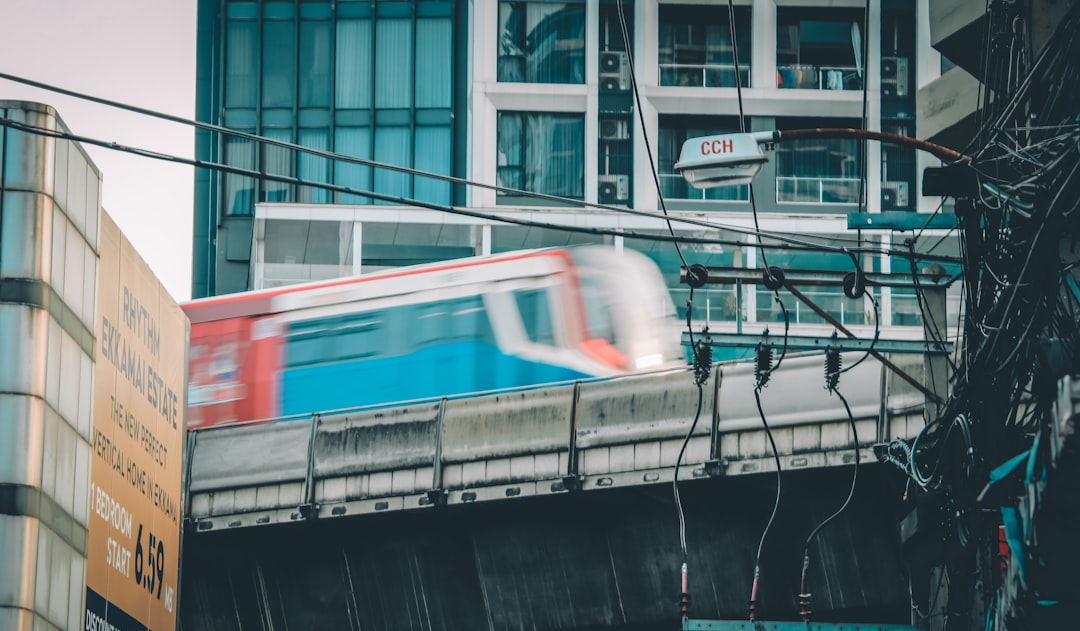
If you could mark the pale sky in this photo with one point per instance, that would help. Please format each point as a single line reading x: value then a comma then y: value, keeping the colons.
x: 140, y: 52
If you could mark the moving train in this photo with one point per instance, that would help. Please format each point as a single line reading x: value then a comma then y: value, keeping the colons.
x: 449, y: 328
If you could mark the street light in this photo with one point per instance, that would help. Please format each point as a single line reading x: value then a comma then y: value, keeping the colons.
x: 729, y: 159
x: 722, y: 160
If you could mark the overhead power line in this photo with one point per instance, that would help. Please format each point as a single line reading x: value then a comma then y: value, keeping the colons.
x: 455, y: 210
x: 781, y: 237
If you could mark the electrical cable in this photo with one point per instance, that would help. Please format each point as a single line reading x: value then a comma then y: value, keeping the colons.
x: 804, y: 594
x: 772, y: 517
x: 769, y: 274
x: 296, y: 181
x: 863, y: 157
x: 329, y: 155
x: 787, y: 243
x: 913, y: 468
x: 641, y: 119
x: 929, y: 218
x: 936, y: 333
x: 787, y: 327
x: 877, y: 335
x: 695, y: 349
x: 742, y: 128
x: 780, y: 236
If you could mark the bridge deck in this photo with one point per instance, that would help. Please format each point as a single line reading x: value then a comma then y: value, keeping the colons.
x: 574, y: 437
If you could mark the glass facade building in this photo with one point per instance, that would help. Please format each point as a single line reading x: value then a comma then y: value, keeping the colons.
x: 361, y: 79
x: 537, y: 97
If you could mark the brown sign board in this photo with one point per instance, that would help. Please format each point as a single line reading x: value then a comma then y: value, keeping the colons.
x: 140, y: 374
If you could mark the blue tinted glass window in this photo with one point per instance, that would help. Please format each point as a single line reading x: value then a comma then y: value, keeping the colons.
x: 279, y: 64
x: 542, y: 152
x: 393, y: 145
x: 433, y: 152
x: 277, y: 161
x: 315, y: 51
x: 314, y: 168
x: 433, y: 62
x: 241, y: 64
x: 352, y: 64
x: 239, y: 190
x: 541, y: 42
x: 394, y: 70
x: 355, y: 142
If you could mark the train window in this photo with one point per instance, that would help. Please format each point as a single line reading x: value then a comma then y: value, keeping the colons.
x: 468, y: 320
x: 304, y: 349
x: 599, y: 319
x: 457, y: 320
x: 535, y: 309
x: 359, y: 337
x: 327, y: 340
x: 430, y: 321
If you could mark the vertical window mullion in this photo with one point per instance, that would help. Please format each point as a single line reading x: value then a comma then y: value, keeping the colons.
x: 371, y: 102
x: 411, y: 181
x: 295, y: 132
x: 260, y: 164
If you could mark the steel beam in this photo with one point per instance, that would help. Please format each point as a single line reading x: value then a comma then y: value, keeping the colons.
x: 746, y: 625
x: 827, y: 278
x: 821, y: 342
x: 900, y: 220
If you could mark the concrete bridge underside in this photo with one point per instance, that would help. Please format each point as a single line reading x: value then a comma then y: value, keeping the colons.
x: 595, y: 559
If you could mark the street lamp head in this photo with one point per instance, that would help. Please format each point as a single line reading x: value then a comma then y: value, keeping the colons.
x: 723, y: 160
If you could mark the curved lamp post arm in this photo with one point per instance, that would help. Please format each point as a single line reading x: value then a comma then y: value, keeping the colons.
x: 944, y: 153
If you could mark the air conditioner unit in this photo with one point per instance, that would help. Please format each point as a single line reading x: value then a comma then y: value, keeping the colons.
x: 614, y: 71
x: 894, y: 194
x: 894, y: 76
x: 614, y: 188
x: 614, y: 128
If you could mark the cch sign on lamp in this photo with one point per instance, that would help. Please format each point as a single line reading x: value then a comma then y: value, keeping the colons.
x: 723, y: 160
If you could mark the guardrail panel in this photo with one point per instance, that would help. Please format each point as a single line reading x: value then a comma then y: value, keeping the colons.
x: 376, y: 440
x: 505, y: 425
x: 250, y: 455
x: 634, y: 409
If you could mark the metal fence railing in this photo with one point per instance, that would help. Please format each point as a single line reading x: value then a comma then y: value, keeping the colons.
x: 817, y: 190
x: 814, y: 77
x: 703, y: 75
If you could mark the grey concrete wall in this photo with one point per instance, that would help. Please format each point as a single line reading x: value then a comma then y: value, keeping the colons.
x: 49, y: 210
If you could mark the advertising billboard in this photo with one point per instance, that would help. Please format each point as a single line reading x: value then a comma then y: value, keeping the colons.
x: 138, y: 442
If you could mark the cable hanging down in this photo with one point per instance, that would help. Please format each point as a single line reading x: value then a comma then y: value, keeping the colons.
x: 832, y: 373
x: 752, y: 606
x: 702, y: 350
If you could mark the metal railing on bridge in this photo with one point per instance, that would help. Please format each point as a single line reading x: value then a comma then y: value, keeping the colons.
x: 568, y: 437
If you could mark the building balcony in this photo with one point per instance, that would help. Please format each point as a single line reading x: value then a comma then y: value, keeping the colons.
x: 946, y: 109
x: 814, y: 77
x: 676, y: 187
x: 800, y: 189
x: 957, y: 32
x: 703, y: 75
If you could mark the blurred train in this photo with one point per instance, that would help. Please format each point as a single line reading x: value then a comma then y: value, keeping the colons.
x: 448, y: 328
